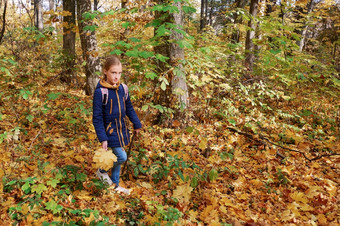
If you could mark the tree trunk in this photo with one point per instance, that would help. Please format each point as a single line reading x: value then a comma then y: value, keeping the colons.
x: 3, y: 22
x: 38, y: 15
x: 175, y: 94
x: 250, y: 56
x: 124, y: 3
x: 202, y: 19
x: 69, y: 40
x: 89, y: 47
x: 206, y: 5
x: 51, y: 4
x: 301, y: 43
x: 95, y: 5
x: 179, y: 85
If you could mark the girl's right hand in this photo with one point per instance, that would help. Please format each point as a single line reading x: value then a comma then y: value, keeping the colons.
x: 104, y: 145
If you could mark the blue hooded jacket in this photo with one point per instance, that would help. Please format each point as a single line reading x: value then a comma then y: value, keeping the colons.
x: 109, y: 117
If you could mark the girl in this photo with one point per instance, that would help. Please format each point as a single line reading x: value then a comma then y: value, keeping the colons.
x: 111, y: 103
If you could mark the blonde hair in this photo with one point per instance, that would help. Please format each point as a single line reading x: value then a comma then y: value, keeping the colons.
x: 109, y: 61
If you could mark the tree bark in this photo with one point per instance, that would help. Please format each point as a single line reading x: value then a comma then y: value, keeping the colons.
x: 206, y: 5
x: 2, y: 32
x: 202, y: 19
x: 163, y: 97
x: 69, y: 40
x: 179, y: 85
x: 301, y: 43
x: 95, y: 5
x: 176, y: 93
x: 124, y: 3
x: 89, y: 47
x: 51, y: 4
x: 250, y: 56
x: 38, y: 15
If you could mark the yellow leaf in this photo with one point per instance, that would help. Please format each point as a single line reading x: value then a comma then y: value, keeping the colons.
x: 311, y: 192
x: 79, y: 158
x: 104, y: 159
x: 322, y: 219
x: 85, y: 195
x: 92, y: 136
x: 111, y: 207
x: 287, y: 215
x: 24, y: 209
x: 223, y: 209
x: 306, y: 207
x: 209, y: 215
x: 60, y: 142
x: 227, y: 202
x: 331, y: 188
x: 183, y: 193
x: 244, y: 197
x: 146, y: 185
x: 299, y: 197
x: 203, y: 143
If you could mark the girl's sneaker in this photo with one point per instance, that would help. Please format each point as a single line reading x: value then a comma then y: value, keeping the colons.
x: 104, y: 177
x: 123, y: 190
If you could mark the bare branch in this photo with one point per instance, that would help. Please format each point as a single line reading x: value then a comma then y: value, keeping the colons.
x: 263, y: 140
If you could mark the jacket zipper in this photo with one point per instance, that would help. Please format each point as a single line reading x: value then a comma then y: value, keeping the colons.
x: 118, y: 134
x: 120, y: 118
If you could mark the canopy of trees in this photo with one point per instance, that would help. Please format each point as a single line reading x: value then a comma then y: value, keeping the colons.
x: 239, y: 102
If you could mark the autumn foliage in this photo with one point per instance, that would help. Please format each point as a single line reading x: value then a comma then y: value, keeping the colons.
x: 258, y: 147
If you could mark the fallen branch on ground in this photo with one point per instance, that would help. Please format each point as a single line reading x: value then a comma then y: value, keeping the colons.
x: 262, y: 139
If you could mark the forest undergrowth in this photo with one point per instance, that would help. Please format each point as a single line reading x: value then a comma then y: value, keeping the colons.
x: 256, y: 149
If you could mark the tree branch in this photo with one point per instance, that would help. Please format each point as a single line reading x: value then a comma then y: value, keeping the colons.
x: 262, y: 138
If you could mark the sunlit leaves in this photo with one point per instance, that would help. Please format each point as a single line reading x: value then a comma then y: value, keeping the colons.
x: 151, y: 75
x: 38, y: 188
x: 188, y: 9
x: 53, y: 206
x: 104, y: 159
x: 182, y: 193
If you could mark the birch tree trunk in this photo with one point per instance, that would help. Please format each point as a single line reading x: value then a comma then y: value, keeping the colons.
x: 179, y: 85
x: 51, y: 5
x: 301, y: 43
x: 38, y: 15
x: 89, y: 47
x: 175, y: 94
x: 250, y: 56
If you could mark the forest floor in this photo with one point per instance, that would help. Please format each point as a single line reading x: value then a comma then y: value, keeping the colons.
x: 218, y: 168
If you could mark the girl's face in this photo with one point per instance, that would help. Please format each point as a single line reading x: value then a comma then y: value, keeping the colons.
x: 113, y: 74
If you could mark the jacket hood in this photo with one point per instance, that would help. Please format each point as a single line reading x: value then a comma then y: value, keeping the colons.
x: 104, y: 84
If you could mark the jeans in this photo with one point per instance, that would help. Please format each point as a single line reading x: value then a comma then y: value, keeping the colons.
x: 115, y: 171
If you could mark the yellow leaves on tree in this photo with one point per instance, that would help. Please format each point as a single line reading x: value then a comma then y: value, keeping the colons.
x: 104, y: 159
